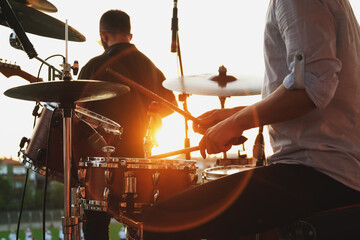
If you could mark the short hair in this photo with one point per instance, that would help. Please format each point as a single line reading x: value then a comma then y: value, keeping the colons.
x: 115, y: 21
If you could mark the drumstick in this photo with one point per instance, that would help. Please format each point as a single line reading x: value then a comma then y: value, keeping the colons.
x: 177, y: 152
x: 235, y: 141
x: 151, y: 94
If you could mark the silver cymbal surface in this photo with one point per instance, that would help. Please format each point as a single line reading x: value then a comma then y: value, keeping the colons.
x: 67, y: 91
x: 206, y: 84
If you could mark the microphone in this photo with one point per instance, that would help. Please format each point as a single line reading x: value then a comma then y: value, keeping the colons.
x: 14, y: 23
x: 174, y: 28
x: 75, y: 67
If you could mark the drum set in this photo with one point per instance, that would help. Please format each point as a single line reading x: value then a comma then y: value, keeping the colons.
x: 73, y: 145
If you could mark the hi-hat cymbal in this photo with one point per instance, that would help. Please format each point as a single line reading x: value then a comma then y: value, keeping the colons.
x: 67, y: 91
x: 216, y: 85
x: 38, y: 23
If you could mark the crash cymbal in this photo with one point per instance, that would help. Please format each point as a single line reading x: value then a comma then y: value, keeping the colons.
x: 67, y: 91
x: 216, y: 85
x: 38, y: 23
x: 41, y: 5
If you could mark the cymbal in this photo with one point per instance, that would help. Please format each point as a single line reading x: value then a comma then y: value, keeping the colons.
x: 38, y: 23
x: 216, y: 85
x: 67, y: 91
x: 41, y: 5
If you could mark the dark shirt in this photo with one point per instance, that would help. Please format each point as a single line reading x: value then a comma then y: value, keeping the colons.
x: 130, y: 109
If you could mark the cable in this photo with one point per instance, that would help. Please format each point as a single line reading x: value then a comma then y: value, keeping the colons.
x: 55, y: 55
x: 22, y: 204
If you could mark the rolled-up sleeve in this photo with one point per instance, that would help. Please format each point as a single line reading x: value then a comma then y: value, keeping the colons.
x: 311, y: 48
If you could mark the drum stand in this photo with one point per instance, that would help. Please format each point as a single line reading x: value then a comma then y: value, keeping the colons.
x: 69, y: 222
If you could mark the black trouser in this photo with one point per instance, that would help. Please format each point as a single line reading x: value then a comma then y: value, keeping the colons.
x: 96, y: 225
x: 260, y: 199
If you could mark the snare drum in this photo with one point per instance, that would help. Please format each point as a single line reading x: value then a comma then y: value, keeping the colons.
x: 213, y: 173
x: 127, y: 186
x: 90, y: 132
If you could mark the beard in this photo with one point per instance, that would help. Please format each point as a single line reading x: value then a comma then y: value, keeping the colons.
x: 104, y: 44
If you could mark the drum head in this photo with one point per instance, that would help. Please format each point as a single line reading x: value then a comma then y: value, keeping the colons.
x: 97, y: 121
x: 222, y: 171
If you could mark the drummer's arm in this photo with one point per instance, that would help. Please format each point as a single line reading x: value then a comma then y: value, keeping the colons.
x: 282, y: 105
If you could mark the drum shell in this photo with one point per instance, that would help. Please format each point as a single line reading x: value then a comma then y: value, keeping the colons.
x: 166, y: 179
x: 46, y: 145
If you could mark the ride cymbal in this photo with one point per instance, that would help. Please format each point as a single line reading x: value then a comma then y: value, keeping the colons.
x: 216, y: 85
x: 67, y: 91
x: 38, y: 23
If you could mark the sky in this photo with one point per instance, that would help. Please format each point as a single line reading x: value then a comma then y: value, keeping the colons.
x: 212, y: 33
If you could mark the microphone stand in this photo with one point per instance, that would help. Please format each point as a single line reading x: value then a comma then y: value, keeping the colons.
x: 175, y: 47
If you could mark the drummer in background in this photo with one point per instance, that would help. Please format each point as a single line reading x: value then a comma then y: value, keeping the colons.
x: 311, y: 104
x: 129, y: 110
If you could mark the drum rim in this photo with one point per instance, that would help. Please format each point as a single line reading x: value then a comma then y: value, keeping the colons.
x: 30, y: 164
x: 207, y: 174
x: 137, y: 163
x: 96, y: 120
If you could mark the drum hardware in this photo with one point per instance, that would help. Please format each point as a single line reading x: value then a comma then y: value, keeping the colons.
x: 108, y: 150
x: 66, y: 93
x: 156, y: 191
x: 242, y: 159
x: 130, y: 183
x: 80, y: 191
x: 81, y: 175
x: 194, y: 177
x: 155, y: 178
x: 259, y: 149
x: 108, y: 176
x: 175, y: 48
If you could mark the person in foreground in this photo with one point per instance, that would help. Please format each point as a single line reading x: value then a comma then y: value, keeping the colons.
x: 311, y: 105
x: 128, y: 110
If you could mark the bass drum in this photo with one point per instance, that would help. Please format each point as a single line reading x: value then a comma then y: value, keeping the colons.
x: 44, y: 151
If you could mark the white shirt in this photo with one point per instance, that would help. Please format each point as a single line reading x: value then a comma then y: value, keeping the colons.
x: 28, y: 235
x: 12, y: 236
x: 315, y: 45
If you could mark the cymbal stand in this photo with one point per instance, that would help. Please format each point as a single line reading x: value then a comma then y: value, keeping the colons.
x: 222, y: 103
x: 69, y: 221
x: 175, y: 47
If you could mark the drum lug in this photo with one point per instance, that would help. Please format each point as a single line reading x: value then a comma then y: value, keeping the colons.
x: 155, y: 178
x: 108, y: 176
x: 130, y: 182
x: 156, y: 195
x: 80, y: 191
x: 123, y: 163
x: 106, y: 194
x: 193, y: 178
x: 81, y: 175
x: 108, y: 150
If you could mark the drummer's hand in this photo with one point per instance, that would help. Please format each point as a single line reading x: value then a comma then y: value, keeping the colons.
x: 218, y: 138
x: 210, y: 118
